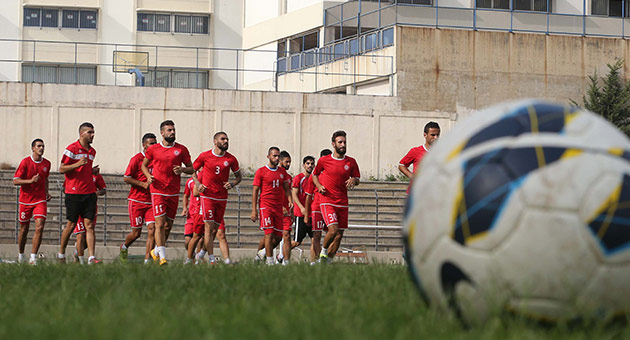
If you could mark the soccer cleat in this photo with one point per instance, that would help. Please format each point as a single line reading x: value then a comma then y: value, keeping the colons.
x: 32, y: 262
x: 154, y: 255
x: 279, y: 259
x: 163, y: 262
x: 188, y: 261
x: 75, y: 255
x: 61, y: 260
x: 94, y: 261
x: 124, y: 252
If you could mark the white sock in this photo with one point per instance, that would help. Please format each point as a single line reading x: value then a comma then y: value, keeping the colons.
x: 61, y: 256
x: 280, y: 256
x: 82, y: 260
x: 147, y: 261
x: 33, y: 256
x: 201, y: 253
x: 324, y: 251
x: 285, y: 262
x: 262, y: 253
x: 20, y: 257
x: 270, y: 260
x: 123, y: 246
x: 90, y: 258
x: 227, y: 261
x: 211, y: 258
x: 282, y: 248
x: 188, y: 261
x: 162, y: 251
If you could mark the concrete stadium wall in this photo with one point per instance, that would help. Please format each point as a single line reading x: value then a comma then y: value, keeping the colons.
x: 451, y: 70
x: 379, y: 133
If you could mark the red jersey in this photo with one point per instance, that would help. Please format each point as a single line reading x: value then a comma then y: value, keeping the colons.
x: 299, y: 181
x: 337, y: 172
x: 271, y: 184
x: 193, y: 202
x: 34, y: 192
x: 163, y: 159
x: 99, y: 182
x: 414, y: 156
x: 79, y: 180
x: 216, y: 173
x: 311, y: 190
x: 134, y: 170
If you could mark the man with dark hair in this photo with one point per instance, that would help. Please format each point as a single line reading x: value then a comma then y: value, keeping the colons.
x: 32, y: 177
x: 166, y: 158
x: 284, y: 254
x: 212, y: 188
x: 333, y: 176
x: 299, y: 201
x: 314, y: 213
x: 272, y: 183
x: 139, y: 201
x: 415, y: 155
x: 77, y: 167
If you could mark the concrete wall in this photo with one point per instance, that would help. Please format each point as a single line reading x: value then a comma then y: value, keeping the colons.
x: 451, y: 70
x: 379, y: 134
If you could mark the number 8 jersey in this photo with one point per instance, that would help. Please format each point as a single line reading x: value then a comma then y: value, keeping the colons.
x: 216, y: 171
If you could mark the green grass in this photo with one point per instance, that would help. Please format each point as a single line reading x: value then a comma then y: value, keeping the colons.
x: 245, y: 301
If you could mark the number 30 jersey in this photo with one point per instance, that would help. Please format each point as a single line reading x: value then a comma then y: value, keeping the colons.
x: 216, y: 171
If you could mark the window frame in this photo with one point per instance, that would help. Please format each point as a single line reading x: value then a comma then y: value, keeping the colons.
x: 60, y: 14
x: 192, y: 20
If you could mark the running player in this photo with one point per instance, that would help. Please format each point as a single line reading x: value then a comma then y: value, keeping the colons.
x: 287, y: 219
x: 77, y: 167
x: 313, y: 212
x: 139, y: 201
x: 32, y: 177
x: 299, y: 201
x: 194, y: 219
x: 272, y: 183
x: 333, y: 176
x: 166, y: 158
x: 213, y: 188
x: 415, y: 155
x: 79, y: 229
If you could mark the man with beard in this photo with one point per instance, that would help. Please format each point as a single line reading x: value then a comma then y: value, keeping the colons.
x: 213, y: 191
x: 166, y: 159
x: 76, y: 165
x: 272, y: 183
x: 333, y: 176
x: 287, y: 221
x: 415, y: 155
x: 314, y: 214
x: 32, y: 177
x: 299, y: 201
x: 139, y: 201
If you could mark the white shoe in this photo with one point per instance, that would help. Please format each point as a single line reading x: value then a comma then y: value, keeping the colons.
x: 188, y: 261
x: 32, y: 262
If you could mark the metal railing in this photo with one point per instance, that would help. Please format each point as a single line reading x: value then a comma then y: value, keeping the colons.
x: 382, y: 233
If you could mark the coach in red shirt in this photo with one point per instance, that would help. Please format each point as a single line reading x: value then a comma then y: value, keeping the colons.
x: 76, y: 165
x: 415, y: 155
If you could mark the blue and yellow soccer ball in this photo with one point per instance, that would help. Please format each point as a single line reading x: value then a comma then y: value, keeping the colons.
x: 524, y: 208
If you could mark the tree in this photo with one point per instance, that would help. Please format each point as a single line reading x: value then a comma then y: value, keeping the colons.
x: 611, y: 99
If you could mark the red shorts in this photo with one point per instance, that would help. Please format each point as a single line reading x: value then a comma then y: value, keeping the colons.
x: 165, y: 205
x: 37, y: 210
x: 194, y: 224
x: 79, y: 228
x: 213, y: 210
x: 271, y: 221
x: 287, y: 223
x: 317, y: 221
x: 334, y: 214
x: 140, y: 213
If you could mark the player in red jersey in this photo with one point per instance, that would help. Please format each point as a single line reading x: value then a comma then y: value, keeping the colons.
x: 77, y: 167
x: 415, y: 155
x: 287, y: 219
x: 166, y: 159
x: 79, y: 229
x: 213, y: 189
x: 139, y: 201
x: 333, y: 176
x: 272, y: 183
x: 299, y: 201
x: 314, y: 215
x: 32, y: 177
x: 194, y: 227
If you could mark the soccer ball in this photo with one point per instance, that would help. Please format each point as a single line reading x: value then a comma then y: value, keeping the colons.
x: 524, y: 208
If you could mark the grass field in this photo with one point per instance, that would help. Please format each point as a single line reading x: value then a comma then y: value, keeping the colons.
x: 245, y: 301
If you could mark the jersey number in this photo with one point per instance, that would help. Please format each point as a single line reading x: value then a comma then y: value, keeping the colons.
x: 332, y: 217
x: 267, y: 221
x: 210, y: 214
x: 159, y: 208
x: 275, y: 183
x: 139, y: 220
x: 23, y: 215
x: 217, y: 170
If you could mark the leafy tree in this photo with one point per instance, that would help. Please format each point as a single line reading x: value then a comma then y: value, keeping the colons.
x: 610, y: 97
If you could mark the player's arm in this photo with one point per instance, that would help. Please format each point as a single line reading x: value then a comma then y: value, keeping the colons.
x: 404, y: 164
x: 20, y: 181
x: 352, y: 182
x: 101, y: 192
x: 48, y: 197
x: 307, y: 203
x: 133, y: 181
x: 287, y: 194
x: 187, y: 169
x: 405, y: 170
x: 319, y: 186
x: 145, y: 170
x: 185, y: 201
x: 63, y: 168
x: 255, y: 192
x: 296, y: 200
x: 237, y: 179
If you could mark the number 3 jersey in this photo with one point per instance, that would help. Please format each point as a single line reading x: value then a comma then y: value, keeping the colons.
x: 216, y: 172
x: 271, y: 183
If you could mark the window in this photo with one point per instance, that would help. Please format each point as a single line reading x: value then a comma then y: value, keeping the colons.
x: 498, y: 4
x: 176, y: 78
x: 31, y: 16
x: 50, y: 17
x: 611, y: 8
x: 70, y: 18
x: 60, y: 74
x: 182, y: 23
x: 388, y: 37
x: 531, y: 5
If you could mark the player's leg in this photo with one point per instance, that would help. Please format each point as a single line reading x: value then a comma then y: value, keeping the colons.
x: 286, y: 246
x: 136, y: 219
x: 342, y: 225
x: 37, y: 239
x: 22, y: 236
x: 334, y: 246
x: 223, y: 244
x: 316, y: 245
x: 329, y: 215
x: 192, y: 244
x: 72, y: 216
x: 150, y: 244
x: 89, y: 216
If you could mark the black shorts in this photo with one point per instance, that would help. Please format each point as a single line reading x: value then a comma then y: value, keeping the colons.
x: 83, y: 205
x: 301, y: 229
